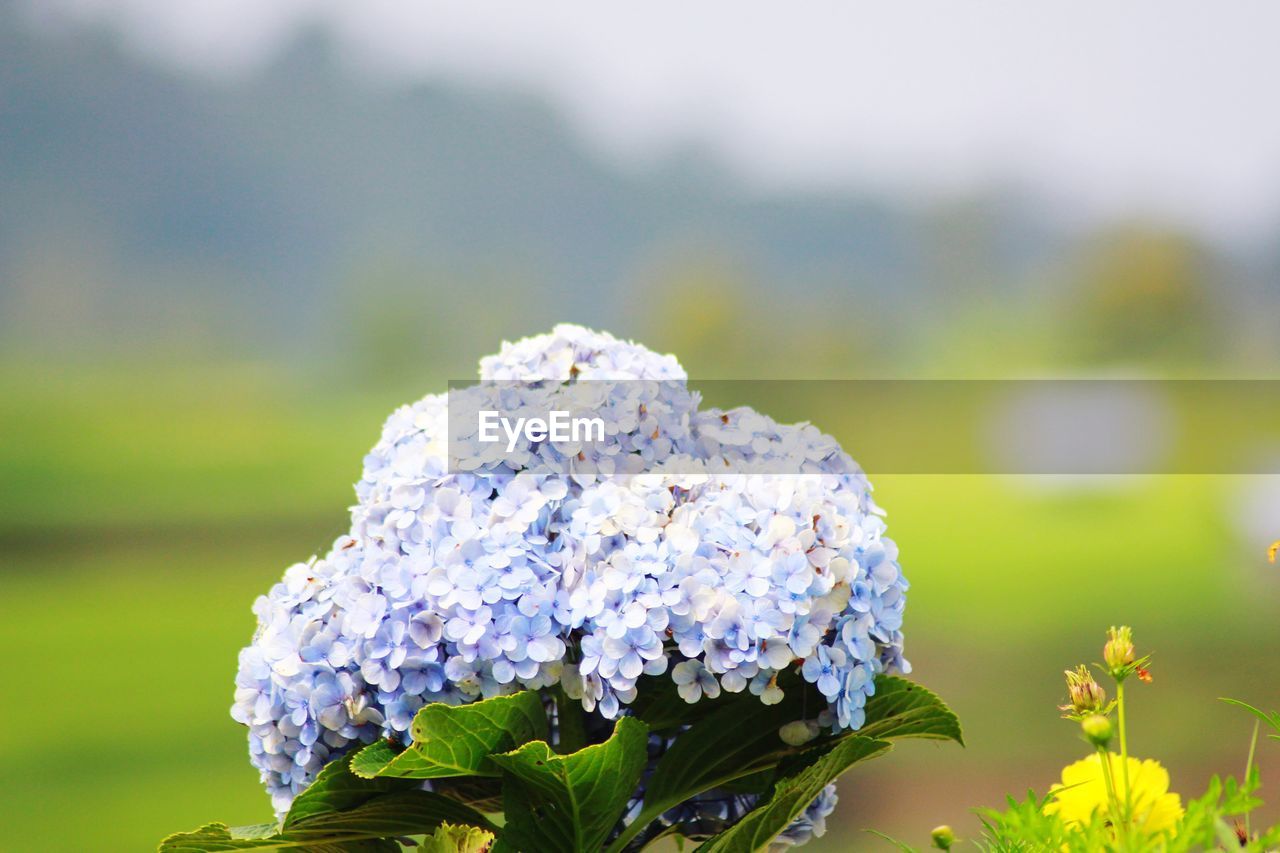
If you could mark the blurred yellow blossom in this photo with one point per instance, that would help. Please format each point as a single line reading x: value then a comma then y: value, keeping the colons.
x: 1083, y: 791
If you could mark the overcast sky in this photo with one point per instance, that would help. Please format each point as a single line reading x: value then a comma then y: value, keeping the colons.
x: 1109, y: 107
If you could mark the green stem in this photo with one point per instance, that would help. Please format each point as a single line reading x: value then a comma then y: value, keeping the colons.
x: 1248, y: 772
x: 1253, y: 744
x: 1124, y: 754
x: 1109, y: 782
x: 573, y: 731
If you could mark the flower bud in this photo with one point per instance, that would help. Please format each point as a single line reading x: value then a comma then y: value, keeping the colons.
x: 943, y: 837
x: 1097, y: 729
x: 799, y: 732
x: 1118, y: 652
x: 1086, y: 695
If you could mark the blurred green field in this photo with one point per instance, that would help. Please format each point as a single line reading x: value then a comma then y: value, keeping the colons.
x: 139, y: 517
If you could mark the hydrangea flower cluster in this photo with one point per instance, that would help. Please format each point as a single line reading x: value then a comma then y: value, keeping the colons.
x: 583, y: 566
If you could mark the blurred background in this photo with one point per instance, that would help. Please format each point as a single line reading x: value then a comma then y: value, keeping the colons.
x: 234, y: 236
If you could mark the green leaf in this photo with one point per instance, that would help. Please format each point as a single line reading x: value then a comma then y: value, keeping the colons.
x: 792, y: 793
x: 739, y: 738
x: 335, y: 789
x: 1271, y: 718
x: 561, y: 803
x: 1024, y: 826
x: 457, y: 839
x: 458, y: 740
x: 902, y: 708
x: 362, y: 829
x: 371, y: 760
x: 338, y: 813
x: 753, y: 783
x: 889, y: 839
x: 481, y: 792
x: 219, y: 836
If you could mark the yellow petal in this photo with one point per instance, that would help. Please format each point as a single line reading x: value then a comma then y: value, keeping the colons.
x: 1083, y: 792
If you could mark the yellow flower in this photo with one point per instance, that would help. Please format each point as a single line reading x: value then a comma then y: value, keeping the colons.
x: 1083, y: 791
